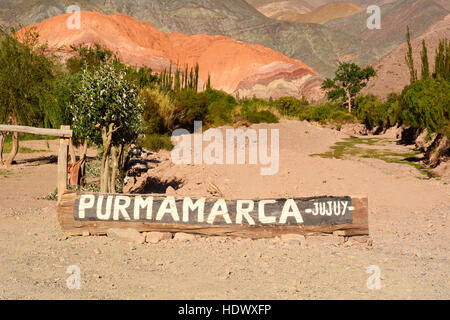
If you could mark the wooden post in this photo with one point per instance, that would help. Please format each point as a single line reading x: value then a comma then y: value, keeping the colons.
x: 62, y: 163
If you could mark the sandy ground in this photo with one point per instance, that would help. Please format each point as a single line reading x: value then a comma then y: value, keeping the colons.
x: 409, y: 225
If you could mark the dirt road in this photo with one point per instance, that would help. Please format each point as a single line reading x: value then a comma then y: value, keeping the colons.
x: 409, y: 225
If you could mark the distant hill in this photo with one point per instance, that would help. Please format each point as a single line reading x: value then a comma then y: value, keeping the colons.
x: 275, y: 8
x: 316, y: 45
x: 285, y: 8
x: 322, y: 14
x: 418, y: 14
x: 234, y: 66
x: 365, y: 3
x: 392, y: 72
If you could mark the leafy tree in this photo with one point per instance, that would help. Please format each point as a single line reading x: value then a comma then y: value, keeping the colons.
x: 26, y: 74
x: 349, y: 80
x: 106, y: 111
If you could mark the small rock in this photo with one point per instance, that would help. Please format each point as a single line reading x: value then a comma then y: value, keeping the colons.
x: 86, y: 233
x: 183, y: 237
x: 129, y: 235
x: 155, y: 237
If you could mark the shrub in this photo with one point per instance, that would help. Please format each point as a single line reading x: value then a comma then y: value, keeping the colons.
x: 264, y: 116
x: 190, y: 106
x: 371, y: 111
x: 290, y: 106
x: 342, y: 116
x: 220, y: 107
x: 158, y: 111
x: 256, y: 112
x: 426, y: 104
x: 155, y: 142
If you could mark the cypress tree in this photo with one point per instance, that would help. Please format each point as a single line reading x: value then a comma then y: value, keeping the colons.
x: 176, y: 87
x: 409, y: 58
x: 197, y: 67
x: 208, y: 84
x: 191, y: 79
x: 170, y: 80
x: 182, y: 80
x: 442, y: 62
x: 425, y: 64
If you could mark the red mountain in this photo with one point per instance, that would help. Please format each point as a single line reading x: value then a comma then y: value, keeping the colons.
x: 234, y: 66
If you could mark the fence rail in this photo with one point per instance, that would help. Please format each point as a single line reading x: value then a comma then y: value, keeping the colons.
x: 62, y: 133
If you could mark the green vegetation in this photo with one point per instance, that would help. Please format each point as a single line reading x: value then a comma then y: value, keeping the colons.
x: 111, y: 105
x: 348, y: 82
x: 52, y: 196
x: 106, y: 112
x: 30, y: 137
x: 4, y: 173
x: 8, y: 146
x: 26, y: 76
x: 166, y: 110
x: 355, y: 148
x: 155, y: 142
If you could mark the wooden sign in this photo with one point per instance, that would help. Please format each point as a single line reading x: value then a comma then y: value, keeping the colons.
x: 96, y: 213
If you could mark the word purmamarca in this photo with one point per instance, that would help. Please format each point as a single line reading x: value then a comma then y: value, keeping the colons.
x: 312, y: 211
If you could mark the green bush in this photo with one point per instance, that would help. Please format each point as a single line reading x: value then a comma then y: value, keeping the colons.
x: 190, y: 106
x: 219, y: 114
x: 158, y: 111
x: 256, y: 112
x: 155, y: 142
x: 426, y: 104
x: 264, y: 116
x: 290, y: 106
x: 220, y: 108
x: 342, y: 116
x: 372, y: 111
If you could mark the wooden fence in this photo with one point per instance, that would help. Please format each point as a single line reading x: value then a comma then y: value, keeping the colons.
x: 64, y: 134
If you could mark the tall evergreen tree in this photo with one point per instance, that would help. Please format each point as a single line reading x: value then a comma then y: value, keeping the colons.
x: 186, y: 77
x: 208, y: 83
x: 191, y: 79
x: 176, y: 86
x: 409, y: 58
x: 425, y: 63
x: 442, y: 61
x: 196, y: 77
x: 170, y: 80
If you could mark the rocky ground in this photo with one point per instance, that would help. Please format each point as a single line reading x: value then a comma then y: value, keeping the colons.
x: 409, y: 230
